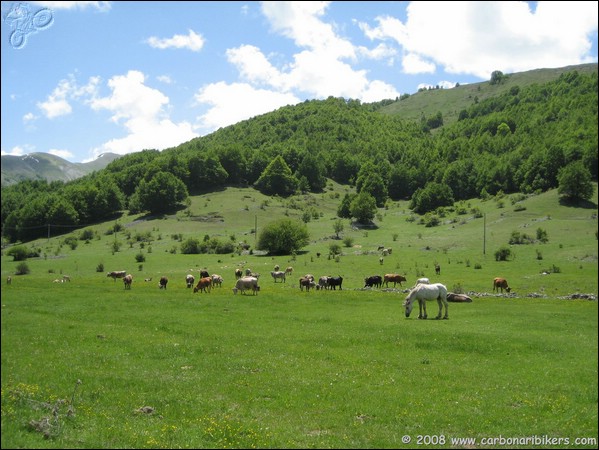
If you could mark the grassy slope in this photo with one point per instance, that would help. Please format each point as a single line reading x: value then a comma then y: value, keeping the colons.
x: 451, y: 101
x: 339, y: 369
x: 457, y: 245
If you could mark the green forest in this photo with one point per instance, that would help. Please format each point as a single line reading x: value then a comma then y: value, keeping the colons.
x: 524, y: 139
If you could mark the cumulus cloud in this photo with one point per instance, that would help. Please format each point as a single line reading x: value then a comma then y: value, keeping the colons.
x: 140, y: 109
x: 57, y: 104
x: 231, y: 103
x: 192, y: 41
x: 321, y: 67
x: 477, y: 38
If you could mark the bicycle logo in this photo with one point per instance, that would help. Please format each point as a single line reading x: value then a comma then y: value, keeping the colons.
x: 25, y: 23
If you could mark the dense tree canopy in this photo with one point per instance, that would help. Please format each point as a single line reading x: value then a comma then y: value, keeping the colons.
x: 521, y: 139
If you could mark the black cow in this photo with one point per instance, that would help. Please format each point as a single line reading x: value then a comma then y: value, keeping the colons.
x: 373, y: 281
x: 333, y: 282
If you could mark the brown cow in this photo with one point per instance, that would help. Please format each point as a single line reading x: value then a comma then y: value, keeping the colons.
x: 203, y: 285
x: 500, y: 283
x: 394, y: 277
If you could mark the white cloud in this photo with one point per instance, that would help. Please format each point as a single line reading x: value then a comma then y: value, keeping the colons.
x: 29, y: 117
x: 98, y: 6
x: 301, y: 22
x: 57, y: 105
x: 164, y: 79
x: 232, y: 103
x: 192, y: 41
x: 479, y: 37
x: 322, y: 67
x: 64, y: 154
x: 254, y: 67
x: 140, y: 109
x: 414, y: 64
x: 15, y: 151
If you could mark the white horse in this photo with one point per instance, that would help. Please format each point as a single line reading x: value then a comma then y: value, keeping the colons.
x: 424, y: 292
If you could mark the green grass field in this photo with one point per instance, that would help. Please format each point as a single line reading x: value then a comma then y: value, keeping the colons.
x: 318, y: 369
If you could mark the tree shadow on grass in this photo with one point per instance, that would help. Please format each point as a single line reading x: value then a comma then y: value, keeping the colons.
x: 577, y: 203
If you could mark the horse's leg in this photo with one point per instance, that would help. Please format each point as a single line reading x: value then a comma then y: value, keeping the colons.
x: 446, y: 307
x: 422, y: 305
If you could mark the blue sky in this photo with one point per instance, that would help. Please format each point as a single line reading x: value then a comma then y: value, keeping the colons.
x: 83, y: 78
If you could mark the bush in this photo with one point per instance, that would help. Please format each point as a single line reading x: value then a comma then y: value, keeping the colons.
x: 503, y: 254
x: 22, y: 269
x: 283, y: 236
x: 18, y: 253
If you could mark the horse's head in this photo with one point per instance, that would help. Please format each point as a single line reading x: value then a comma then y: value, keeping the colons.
x: 408, y: 303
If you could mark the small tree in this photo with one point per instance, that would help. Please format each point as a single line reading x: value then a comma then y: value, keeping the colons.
x: 497, y: 77
x: 338, y: 227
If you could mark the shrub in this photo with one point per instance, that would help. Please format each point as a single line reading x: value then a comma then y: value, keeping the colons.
x: 18, y: 253
x: 503, y: 254
x: 22, y: 269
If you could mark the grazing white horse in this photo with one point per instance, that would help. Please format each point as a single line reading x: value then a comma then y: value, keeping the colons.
x: 424, y: 292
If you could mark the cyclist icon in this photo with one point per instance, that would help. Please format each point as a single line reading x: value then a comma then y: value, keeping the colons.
x: 25, y: 23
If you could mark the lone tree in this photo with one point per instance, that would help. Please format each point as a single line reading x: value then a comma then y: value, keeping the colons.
x: 575, y: 182
x: 363, y: 207
x: 497, y: 77
x: 283, y: 237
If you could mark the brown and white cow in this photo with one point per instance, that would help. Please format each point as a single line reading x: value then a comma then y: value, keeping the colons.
x: 306, y: 282
x: 500, y: 283
x: 117, y: 274
x: 163, y: 282
x: 127, y: 281
x: 217, y: 280
x: 189, y: 279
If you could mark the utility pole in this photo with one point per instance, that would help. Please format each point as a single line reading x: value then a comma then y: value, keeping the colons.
x: 484, y: 234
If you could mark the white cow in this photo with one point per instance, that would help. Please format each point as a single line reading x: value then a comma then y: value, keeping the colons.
x: 278, y: 275
x: 246, y: 284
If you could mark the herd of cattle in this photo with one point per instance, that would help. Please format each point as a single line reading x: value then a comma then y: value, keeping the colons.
x: 248, y: 281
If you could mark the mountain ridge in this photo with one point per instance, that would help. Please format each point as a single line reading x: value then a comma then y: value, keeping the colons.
x: 49, y: 167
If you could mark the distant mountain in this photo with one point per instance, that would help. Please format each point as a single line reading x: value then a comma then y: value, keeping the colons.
x: 44, y: 166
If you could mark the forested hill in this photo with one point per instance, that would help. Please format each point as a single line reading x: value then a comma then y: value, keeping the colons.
x: 515, y: 141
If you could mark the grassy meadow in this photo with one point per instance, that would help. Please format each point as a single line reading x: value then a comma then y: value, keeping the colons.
x: 88, y: 364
